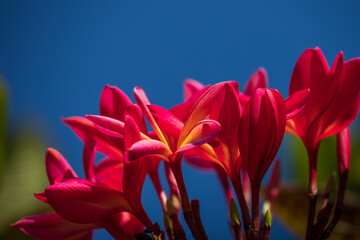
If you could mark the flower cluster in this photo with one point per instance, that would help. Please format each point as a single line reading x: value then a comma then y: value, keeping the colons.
x: 237, y: 134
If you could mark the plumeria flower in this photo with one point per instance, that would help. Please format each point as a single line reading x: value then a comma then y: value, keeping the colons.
x: 76, y: 201
x: 332, y: 106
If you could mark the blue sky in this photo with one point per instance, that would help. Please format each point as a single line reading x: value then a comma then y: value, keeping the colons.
x: 56, y: 57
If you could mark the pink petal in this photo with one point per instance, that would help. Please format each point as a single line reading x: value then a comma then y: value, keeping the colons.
x: 169, y: 124
x: 128, y: 223
x: 132, y: 132
x: 81, y: 201
x: 42, y: 197
x: 57, y: 168
x: 89, y: 154
x: 261, y: 131
x: 143, y: 102
x: 343, y: 150
x: 182, y: 110
x: 113, y: 102
x: 107, y: 125
x: 105, y: 144
x: 346, y: 102
x: 258, y: 79
x: 201, y: 109
x: 191, y: 87
x: 149, y: 147
x: 109, y: 173
x: 135, y: 112
x: 51, y: 226
x: 202, y: 132
x: 296, y: 102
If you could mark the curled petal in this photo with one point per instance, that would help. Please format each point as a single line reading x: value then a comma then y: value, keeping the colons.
x: 296, y: 102
x: 81, y: 201
x: 143, y: 102
x: 132, y: 132
x: 191, y: 87
x: 202, y: 132
x: 113, y: 102
x: 51, y: 226
x: 57, y: 168
x: 107, y: 125
x: 343, y: 150
x: 104, y: 143
x: 258, y: 79
x: 148, y: 148
x: 89, y: 154
x: 201, y: 109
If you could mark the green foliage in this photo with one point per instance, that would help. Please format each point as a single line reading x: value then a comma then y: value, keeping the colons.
x: 22, y: 173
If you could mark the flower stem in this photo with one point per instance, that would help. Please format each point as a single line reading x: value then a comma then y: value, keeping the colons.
x: 255, y: 195
x: 195, y: 205
x: 312, y: 153
x: 243, y: 206
x: 175, y: 166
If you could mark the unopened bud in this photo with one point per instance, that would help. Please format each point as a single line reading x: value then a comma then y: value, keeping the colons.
x: 268, y: 219
x: 266, y: 207
x: 167, y: 222
x: 173, y: 205
x: 330, y: 185
x: 234, y: 214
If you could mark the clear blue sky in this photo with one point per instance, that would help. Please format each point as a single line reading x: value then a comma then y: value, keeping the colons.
x: 57, y: 55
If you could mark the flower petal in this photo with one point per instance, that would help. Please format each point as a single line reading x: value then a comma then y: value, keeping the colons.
x: 51, y: 226
x: 113, y: 102
x: 81, y: 201
x: 143, y: 102
x: 202, y: 132
x: 296, y: 102
x: 57, y: 168
x: 182, y: 110
x: 191, y: 87
x: 109, y: 173
x: 89, y: 154
x: 258, y: 79
x: 149, y: 147
x: 104, y: 143
x: 107, y: 125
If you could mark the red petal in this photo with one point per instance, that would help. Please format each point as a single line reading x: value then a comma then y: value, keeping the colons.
x: 105, y: 144
x: 81, y: 201
x: 191, y: 87
x: 261, y: 131
x: 202, y: 132
x: 345, y: 105
x: 89, y: 154
x: 109, y: 172
x: 296, y: 102
x: 113, y: 102
x: 258, y: 79
x: 169, y: 124
x: 107, y: 125
x: 51, y: 226
x: 143, y: 102
x: 343, y: 150
x: 57, y: 168
x: 149, y: 147
x: 132, y: 132
x: 182, y: 110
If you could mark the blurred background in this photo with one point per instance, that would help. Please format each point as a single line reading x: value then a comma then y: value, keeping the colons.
x: 56, y: 56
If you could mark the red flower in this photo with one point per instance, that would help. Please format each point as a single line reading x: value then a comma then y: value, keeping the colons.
x: 334, y: 99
